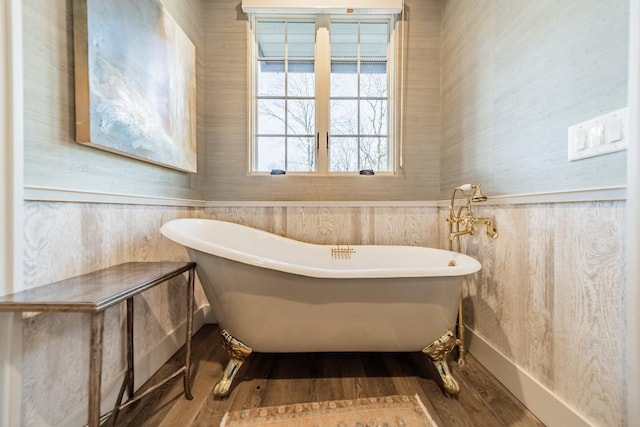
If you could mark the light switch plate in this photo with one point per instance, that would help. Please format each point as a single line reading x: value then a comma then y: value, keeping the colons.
x: 600, y: 135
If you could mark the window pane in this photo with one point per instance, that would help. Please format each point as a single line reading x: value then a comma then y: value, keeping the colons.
x: 373, y: 154
x: 271, y: 116
x: 344, y: 40
x: 301, y: 79
x: 301, y: 154
x: 373, y: 117
x: 343, y: 154
x: 271, y: 78
x: 271, y: 39
x: 301, y: 39
x: 373, y: 79
x: 373, y: 40
x: 301, y: 117
x: 285, y: 104
x: 344, y: 117
x: 270, y: 153
x: 344, y: 79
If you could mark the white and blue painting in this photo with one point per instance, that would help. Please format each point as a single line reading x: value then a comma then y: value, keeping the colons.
x: 142, y: 83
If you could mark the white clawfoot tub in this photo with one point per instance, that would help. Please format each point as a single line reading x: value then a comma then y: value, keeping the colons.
x: 274, y: 294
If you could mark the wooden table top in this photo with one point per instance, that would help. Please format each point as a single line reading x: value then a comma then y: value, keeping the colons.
x: 96, y: 291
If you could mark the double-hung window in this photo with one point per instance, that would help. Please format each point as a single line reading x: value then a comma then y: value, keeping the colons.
x: 322, y: 94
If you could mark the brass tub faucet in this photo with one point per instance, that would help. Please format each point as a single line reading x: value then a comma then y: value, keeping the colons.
x: 462, y: 220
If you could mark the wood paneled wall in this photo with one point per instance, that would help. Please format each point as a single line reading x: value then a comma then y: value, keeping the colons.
x: 68, y: 239
x: 550, y: 297
x: 227, y: 119
x: 515, y: 75
x: 416, y: 226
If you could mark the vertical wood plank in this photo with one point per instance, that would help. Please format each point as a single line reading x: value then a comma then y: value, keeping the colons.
x: 549, y: 297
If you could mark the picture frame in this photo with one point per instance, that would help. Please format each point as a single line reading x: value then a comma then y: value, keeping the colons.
x: 135, y: 82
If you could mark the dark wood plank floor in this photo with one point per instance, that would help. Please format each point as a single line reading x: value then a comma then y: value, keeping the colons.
x: 279, y: 379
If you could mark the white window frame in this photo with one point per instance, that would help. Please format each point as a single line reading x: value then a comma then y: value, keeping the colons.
x: 323, y: 65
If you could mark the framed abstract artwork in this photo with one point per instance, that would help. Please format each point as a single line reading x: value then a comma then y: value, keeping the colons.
x: 135, y: 82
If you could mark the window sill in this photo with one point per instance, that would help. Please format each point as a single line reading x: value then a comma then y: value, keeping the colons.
x: 326, y: 174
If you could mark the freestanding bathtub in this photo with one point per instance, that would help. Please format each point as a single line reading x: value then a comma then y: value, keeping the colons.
x: 274, y: 294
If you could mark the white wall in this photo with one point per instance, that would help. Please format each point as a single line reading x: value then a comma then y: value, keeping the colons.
x: 10, y: 207
x: 515, y: 75
x: 11, y: 124
x: 633, y: 229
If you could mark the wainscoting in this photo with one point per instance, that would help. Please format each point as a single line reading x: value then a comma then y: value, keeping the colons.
x: 67, y: 239
x: 403, y: 225
x: 549, y: 298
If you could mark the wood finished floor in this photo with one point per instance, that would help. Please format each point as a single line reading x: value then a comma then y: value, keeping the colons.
x: 279, y: 379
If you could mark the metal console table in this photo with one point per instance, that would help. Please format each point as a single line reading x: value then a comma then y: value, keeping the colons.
x: 93, y: 293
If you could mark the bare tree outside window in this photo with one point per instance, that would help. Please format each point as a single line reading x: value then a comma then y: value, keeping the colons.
x: 286, y: 97
x: 359, y: 97
x: 357, y: 102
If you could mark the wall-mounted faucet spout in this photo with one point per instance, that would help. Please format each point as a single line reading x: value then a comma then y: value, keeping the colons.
x: 491, y: 230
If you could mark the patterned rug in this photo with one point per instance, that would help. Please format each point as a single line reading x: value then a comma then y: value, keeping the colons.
x: 389, y: 411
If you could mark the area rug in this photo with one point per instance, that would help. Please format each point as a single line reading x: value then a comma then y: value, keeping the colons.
x: 388, y: 411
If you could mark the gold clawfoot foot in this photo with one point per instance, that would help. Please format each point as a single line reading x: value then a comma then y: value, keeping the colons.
x: 438, y: 351
x: 238, y: 352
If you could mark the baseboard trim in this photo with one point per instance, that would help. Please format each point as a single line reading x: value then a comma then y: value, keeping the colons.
x: 145, y: 366
x: 541, y: 401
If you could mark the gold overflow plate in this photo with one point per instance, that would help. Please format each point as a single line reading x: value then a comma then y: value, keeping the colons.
x: 344, y: 252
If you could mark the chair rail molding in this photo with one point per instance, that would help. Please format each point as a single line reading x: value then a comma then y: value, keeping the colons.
x: 54, y: 194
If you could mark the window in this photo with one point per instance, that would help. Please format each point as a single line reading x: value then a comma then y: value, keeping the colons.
x: 285, y: 135
x: 322, y: 94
